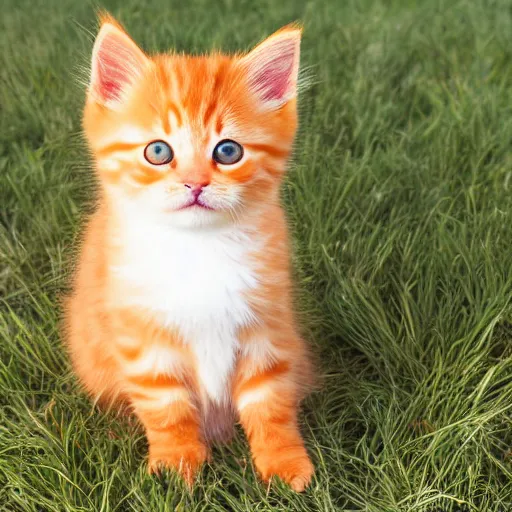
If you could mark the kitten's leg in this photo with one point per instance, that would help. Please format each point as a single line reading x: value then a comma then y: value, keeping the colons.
x: 157, y: 382
x: 164, y: 406
x: 267, y: 396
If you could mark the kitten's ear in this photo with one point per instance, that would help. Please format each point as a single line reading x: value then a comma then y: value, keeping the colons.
x: 117, y: 62
x: 272, y: 67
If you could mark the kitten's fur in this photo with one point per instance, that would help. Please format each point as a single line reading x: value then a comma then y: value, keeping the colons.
x: 185, y: 313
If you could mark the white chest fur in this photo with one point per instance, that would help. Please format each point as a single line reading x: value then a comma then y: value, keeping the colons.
x: 195, y: 281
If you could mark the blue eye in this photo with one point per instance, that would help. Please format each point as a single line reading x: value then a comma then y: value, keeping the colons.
x: 228, y: 152
x: 158, y: 153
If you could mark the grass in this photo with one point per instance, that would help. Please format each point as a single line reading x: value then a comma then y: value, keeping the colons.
x: 399, y: 197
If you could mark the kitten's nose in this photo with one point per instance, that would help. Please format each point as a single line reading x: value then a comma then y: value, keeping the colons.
x: 196, y: 188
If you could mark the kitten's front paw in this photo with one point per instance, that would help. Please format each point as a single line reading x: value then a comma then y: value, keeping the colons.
x: 291, y: 464
x: 186, y: 460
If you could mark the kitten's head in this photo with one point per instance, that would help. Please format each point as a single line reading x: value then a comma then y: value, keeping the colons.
x: 191, y: 140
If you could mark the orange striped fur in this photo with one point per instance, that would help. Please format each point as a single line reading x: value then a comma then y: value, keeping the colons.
x: 182, y: 306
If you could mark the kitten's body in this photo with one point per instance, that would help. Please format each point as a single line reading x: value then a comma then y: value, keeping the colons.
x: 198, y: 283
x: 185, y: 312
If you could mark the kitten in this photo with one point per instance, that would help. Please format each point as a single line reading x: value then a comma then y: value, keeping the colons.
x: 181, y: 304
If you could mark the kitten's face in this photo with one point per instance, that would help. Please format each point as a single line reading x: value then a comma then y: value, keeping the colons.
x: 191, y: 141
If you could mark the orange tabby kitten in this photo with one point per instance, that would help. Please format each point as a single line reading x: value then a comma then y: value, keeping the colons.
x: 182, y: 297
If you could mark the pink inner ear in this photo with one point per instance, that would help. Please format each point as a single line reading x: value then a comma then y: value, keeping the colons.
x: 110, y: 75
x: 116, y: 65
x: 272, y: 71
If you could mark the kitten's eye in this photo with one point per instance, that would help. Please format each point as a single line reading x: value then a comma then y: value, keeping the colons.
x: 228, y: 152
x: 158, y: 153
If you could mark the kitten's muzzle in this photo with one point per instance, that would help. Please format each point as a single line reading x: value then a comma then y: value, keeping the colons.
x: 196, y: 200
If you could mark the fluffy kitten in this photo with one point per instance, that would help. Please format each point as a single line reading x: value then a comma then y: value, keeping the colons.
x: 181, y: 304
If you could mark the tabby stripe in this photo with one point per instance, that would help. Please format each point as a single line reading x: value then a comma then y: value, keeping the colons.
x: 264, y: 377
x: 270, y: 150
x: 117, y: 146
x: 155, y: 381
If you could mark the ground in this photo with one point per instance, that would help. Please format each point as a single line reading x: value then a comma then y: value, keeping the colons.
x: 399, y: 198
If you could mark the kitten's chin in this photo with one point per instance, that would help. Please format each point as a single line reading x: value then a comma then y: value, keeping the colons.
x: 197, y: 217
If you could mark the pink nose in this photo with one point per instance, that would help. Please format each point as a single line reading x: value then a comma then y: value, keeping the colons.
x: 196, y: 188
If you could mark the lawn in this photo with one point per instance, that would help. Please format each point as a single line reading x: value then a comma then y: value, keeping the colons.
x: 399, y: 198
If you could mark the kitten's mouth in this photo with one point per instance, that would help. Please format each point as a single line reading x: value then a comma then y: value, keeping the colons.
x: 195, y: 203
